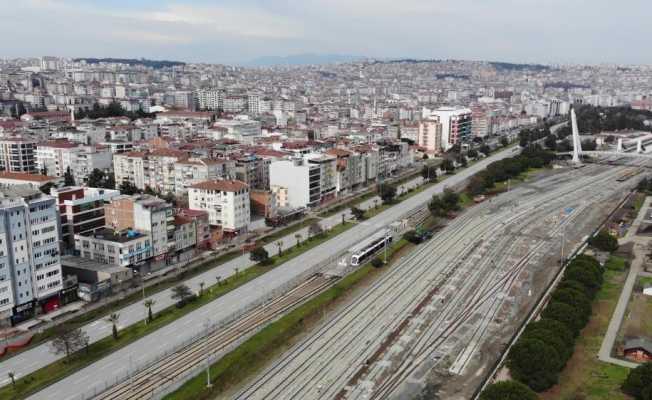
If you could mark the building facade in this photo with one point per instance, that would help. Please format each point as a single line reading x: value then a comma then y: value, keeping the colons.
x: 227, y: 203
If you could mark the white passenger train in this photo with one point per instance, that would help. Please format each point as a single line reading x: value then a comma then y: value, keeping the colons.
x: 368, y: 247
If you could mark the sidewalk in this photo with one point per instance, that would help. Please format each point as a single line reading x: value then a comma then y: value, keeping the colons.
x: 635, y: 269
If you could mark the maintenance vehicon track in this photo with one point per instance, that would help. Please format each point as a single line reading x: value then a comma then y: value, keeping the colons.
x: 147, y: 383
x: 438, y: 304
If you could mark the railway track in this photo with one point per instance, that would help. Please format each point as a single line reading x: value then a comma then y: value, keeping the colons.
x: 148, y: 382
x: 311, y: 373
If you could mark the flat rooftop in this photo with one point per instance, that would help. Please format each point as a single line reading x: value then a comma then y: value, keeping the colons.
x: 113, y: 236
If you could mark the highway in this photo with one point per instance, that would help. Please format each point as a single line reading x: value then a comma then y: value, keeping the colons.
x: 116, y: 366
x: 438, y: 305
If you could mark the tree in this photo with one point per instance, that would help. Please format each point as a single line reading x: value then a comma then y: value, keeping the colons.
x: 387, y: 193
x: 67, y: 341
x: 534, y: 363
x: 182, y: 294
x: 113, y: 320
x: 358, y: 213
x: 259, y: 255
x: 552, y: 325
x: 109, y: 183
x: 315, y: 229
x: 550, y: 142
x: 47, y: 187
x: 604, y: 241
x: 451, y: 200
x: 279, y: 246
x: 68, y: 178
x: 476, y: 185
x: 429, y: 173
x: 437, y: 207
x: 565, y: 314
x: 201, y: 288
x: 149, y: 303
x: 575, y: 298
x: 485, y: 149
x: 96, y: 178
x: 448, y: 166
x: 472, y: 153
x: 12, y: 376
x: 128, y: 188
x: 298, y: 237
x: 150, y: 191
x: 639, y: 381
x: 412, y: 237
x: 508, y: 390
x: 504, y: 141
x: 377, y: 262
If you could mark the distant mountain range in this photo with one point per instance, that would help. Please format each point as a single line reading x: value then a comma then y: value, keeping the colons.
x: 301, y: 59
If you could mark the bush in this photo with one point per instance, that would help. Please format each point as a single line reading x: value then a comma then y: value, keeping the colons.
x: 377, y: 262
x: 508, y: 390
x: 412, y: 237
x: 534, y: 363
x: 604, y: 241
x: 639, y: 382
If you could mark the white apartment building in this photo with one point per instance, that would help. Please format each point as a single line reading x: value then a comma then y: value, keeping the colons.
x: 429, y: 136
x: 30, y: 267
x: 240, y: 128
x: 56, y: 156
x: 154, y: 169
x: 304, y: 182
x: 456, y: 125
x: 226, y: 201
x: 17, y: 155
x: 209, y: 99
x: 156, y: 218
x: 195, y: 170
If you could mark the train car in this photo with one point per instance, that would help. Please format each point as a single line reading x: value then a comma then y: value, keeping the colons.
x: 365, y: 250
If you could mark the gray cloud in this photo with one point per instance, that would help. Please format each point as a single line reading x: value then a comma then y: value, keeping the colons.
x: 518, y: 30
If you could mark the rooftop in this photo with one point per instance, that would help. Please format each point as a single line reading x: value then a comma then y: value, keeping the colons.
x: 221, y: 185
x: 113, y: 236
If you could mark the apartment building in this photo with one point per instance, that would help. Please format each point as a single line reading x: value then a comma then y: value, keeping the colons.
x: 18, y: 155
x: 226, y: 201
x: 456, y: 124
x: 30, y: 268
x: 253, y: 170
x: 350, y: 169
x: 429, y: 136
x: 202, y: 226
x: 154, y: 169
x: 81, y: 210
x: 125, y: 248
x: 146, y: 214
x: 304, y: 181
x: 195, y: 170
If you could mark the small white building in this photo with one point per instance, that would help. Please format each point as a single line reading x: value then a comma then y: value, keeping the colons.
x: 226, y: 201
x: 647, y: 291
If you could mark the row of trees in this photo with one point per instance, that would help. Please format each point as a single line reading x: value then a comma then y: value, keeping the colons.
x: 532, y: 156
x: 114, y: 109
x: 547, y: 344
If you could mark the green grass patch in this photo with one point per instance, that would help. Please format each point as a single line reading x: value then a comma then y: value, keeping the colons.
x: 250, y: 357
x: 40, y: 379
x: 615, y: 263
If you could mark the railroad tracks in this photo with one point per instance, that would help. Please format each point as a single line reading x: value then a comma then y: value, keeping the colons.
x: 149, y: 382
x: 338, y: 356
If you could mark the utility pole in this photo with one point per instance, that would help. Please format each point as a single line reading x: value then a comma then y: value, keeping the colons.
x: 386, y: 248
x: 563, y: 232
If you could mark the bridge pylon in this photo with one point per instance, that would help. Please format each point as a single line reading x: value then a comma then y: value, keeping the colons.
x: 577, y: 143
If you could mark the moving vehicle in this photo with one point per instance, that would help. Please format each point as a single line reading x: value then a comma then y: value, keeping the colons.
x: 369, y: 247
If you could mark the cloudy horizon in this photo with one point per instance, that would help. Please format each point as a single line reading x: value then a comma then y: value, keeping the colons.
x: 235, y: 32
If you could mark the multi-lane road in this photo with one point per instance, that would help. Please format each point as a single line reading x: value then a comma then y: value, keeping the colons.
x: 147, y: 349
x: 439, y: 305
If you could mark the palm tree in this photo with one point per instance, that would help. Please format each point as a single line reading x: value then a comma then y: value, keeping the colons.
x: 218, y: 279
x: 113, y: 319
x: 201, y: 288
x: 298, y: 237
x: 279, y: 244
x: 236, y: 271
x: 148, y: 304
x: 12, y: 376
x: 375, y: 203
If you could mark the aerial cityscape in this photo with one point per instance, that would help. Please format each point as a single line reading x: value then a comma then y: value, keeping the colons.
x: 216, y: 201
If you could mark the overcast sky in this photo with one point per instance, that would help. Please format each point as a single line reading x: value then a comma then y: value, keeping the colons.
x: 232, y: 31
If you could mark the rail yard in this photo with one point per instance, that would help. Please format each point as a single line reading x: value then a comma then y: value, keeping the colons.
x: 443, y: 313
